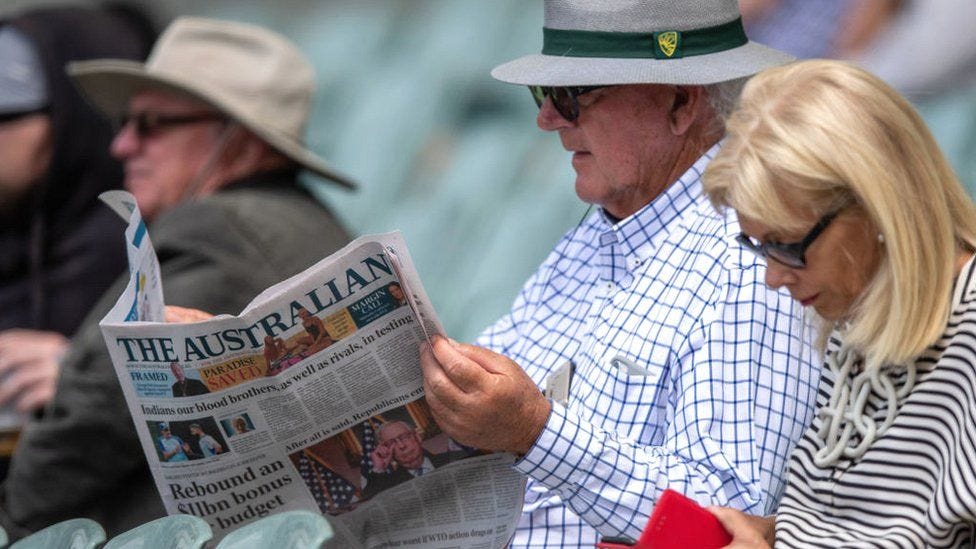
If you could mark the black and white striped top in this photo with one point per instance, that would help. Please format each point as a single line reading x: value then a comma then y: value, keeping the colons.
x: 915, y: 486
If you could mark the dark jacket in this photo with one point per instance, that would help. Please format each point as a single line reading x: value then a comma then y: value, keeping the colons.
x: 189, y: 387
x: 60, y: 248
x: 377, y: 482
x: 83, y: 458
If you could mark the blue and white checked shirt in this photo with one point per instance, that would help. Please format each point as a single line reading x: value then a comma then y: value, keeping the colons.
x: 690, y: 373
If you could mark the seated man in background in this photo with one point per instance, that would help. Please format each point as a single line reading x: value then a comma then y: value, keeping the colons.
x: 212, y: 149
x: 60, y: 248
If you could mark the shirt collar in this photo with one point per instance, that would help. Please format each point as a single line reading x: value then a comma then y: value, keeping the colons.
x: 645, y: 229
x: 426, y: 467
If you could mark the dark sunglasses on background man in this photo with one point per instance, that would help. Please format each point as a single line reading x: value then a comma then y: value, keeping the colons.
x: 15, y: 116
x: 791, y: 254
x: 150, y: 123
x: 564, y: 98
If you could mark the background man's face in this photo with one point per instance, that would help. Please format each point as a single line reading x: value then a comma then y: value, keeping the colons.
x: 405, y: 443
x: 622, y: 145
x: 160, y: 166
x: 25, y: 153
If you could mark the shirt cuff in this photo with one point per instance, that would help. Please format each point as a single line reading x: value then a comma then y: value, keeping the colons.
x: 564, y: 452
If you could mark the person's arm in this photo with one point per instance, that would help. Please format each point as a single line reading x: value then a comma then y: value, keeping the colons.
x: 725, y: 440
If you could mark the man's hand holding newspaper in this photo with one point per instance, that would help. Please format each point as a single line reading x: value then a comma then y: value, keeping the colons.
x: 482, y: 398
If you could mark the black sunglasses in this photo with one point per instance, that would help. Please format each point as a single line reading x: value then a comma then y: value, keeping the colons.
x: 151, y: 123
x: 791, y: 254
x: 564, y: 98
x: 14, y: 116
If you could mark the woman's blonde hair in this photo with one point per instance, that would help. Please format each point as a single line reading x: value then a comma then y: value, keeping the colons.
x: 818, y: 135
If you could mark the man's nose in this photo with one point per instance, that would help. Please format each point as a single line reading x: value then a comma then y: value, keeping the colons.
x: 549, y: 118
x: 125, y: 143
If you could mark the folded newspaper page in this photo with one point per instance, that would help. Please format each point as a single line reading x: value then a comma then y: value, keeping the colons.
x: 310, y: 398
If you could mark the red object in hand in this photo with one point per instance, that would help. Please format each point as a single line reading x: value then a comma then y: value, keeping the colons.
x: 678, y: 523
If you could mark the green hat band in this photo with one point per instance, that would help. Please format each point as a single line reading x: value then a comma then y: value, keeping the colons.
x: 669, y: 44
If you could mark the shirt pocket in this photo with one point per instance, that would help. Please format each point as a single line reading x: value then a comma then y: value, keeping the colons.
x: 629, y: 403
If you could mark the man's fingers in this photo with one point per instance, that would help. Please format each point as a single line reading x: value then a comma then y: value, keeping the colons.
x: 9, y: 363
x: 176, y: 314
x: 22, y: 349
x: 36, y: 397
x: 458, y: 370
x: 17, y: 383
x: 486, y: 358
x: 22, y: 355
x: 30, y: 387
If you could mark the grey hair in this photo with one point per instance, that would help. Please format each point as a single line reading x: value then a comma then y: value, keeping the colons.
x: 387, y: 425
x: 723, y: 97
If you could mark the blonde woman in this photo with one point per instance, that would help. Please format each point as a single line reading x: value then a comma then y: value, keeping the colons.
x: 839, y: 185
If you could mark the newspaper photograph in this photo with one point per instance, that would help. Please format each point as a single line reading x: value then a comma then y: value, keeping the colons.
x: 311, y: 398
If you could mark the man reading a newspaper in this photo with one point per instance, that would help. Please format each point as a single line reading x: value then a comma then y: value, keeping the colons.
x: 211, y: 135
x: 665, y: 360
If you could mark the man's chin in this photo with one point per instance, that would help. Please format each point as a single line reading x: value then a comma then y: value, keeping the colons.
x: 586, y: 192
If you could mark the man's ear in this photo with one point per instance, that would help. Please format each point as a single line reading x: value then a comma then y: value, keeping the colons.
x: 244, y: 150
x: 686, y: 108
x: 242, y: 155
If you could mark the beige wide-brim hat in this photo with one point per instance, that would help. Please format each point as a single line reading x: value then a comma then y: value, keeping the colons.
x: 249, y: 73
x: 596, y: 42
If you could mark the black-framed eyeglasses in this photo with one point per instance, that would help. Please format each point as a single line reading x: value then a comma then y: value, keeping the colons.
x: 564, y: 98
x: 150, y: 123
x: 791, y: 254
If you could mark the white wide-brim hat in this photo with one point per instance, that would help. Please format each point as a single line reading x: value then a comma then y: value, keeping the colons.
x: 598, y: 42
x: 254, y: 76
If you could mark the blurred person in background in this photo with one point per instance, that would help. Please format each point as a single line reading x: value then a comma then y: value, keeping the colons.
x: 667, y: 362
x: 60, y: 247
x: 842, y: 190
x: 925, y: 50
x: 212, y: 148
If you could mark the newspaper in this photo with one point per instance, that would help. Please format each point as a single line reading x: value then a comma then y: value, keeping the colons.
x: 311, y: 398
